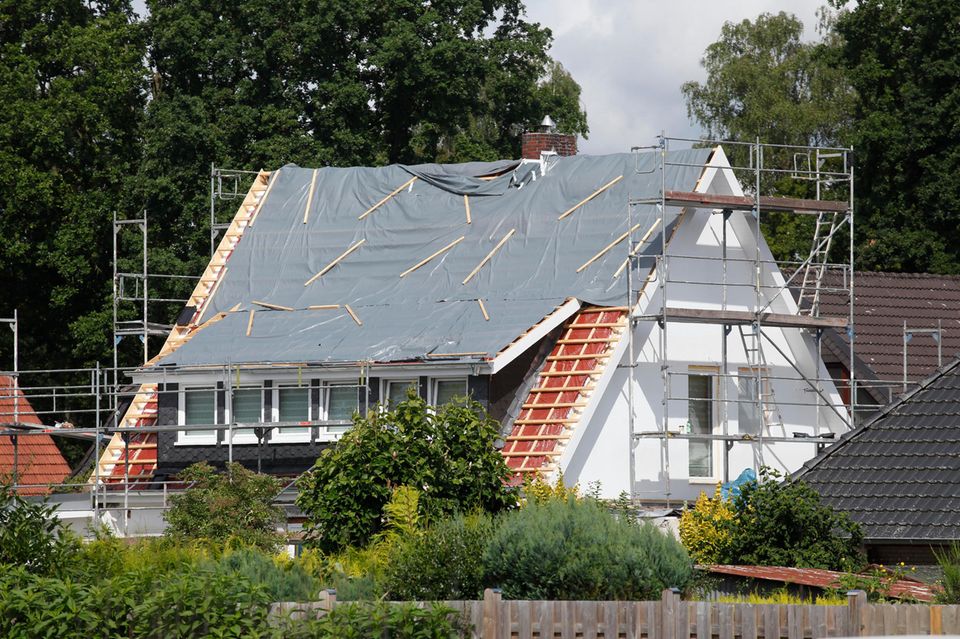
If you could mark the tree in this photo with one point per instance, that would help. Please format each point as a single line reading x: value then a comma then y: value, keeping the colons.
x: 775, y: 521
x: 446, y: 452
x: 32, y: 536
x: 233, y: 506
x: 903, y: 59
x: 764, y: 81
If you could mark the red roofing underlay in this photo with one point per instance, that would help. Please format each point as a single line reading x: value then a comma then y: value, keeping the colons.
x: 562, y: 388
x: 38, y: 459
x: 818, y: 578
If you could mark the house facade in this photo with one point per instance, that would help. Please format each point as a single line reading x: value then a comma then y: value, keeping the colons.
x: 620, y: 315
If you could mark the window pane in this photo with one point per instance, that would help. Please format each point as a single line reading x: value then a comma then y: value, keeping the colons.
x: 294, y: 407
x: 700, y: 418
x: 200, y: 408
x: 246, y: 405
x: 397, y: 391
x: 748, y: 413
x: 342, y: 402
x: 447, y: 389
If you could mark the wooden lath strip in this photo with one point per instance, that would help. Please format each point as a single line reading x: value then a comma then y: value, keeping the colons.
x: 557, y: 405
x: 483, y: 309
x: 609, y: 246
x: 636, y: 249
x: 530, y: 453
x: 313, y: 185
x: 489, y: 255
x: 387, y: 198
x: 567, y: 358
x: 271, y: 179
x: 531, y: 438
x: 323, y: 307
x: 250, y: 321
x: 534, y: 422
x: 336, y: 261
x: 353, y: 315
x: 599, y: 325
x: 554, y: 373
x: 590, y: 197
x: 591, y: 340
x: 427, y: 259
x: 466, y: 205
x: 275, y: 307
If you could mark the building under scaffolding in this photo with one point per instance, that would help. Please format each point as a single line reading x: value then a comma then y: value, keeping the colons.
x: 621, y: 316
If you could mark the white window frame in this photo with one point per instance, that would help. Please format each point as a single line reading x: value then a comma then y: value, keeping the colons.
x: 716, y: 446
x: 242, y: 437
x: 435, y: 386
x: 301, y: 437
x: 326, y: 432
x: 385, y: 387
x: 186, y: 437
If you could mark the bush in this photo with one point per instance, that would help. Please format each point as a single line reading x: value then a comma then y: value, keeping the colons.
x: 31, y: 535
x: 707, y: 528
x: 282, y: 581
x: 949, y: 562
x: 579, y: 550
x: 233, y: 506
x: 443, y: 563
x: 783, y: 523
x: 373, y: 621
x: 446, y: 452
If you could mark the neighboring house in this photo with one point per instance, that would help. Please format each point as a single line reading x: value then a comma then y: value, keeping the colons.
x: 33, y: 458
x: 899, y: 474
x: 336, y: 289
x: 927, y: 305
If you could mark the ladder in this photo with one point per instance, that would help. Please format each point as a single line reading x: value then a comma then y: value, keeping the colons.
x: 751, y: 339
x: 815, y: 266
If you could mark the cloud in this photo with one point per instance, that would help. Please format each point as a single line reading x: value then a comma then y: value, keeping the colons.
x: 631, y: 56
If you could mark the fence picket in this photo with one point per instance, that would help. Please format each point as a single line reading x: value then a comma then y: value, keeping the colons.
x: 748, y: 621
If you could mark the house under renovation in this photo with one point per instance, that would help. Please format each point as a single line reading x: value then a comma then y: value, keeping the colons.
x: 620, y: 315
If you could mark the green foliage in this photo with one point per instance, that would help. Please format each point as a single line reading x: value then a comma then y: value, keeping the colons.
x: 579, y: 550
x: 236, y: 505
x: 783, y: 523
x: 373, y: 621
x: 949, y: 562
x: 103, y: 111
x: 903, y: 59
x: 447, y: 452
x: 281, y: 580
x: 31, y: 536
x: 876, y: 582
x: 707, y: 528
x: 443, y: 563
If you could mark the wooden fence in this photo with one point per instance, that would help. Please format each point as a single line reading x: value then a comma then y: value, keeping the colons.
x: 673, y: 618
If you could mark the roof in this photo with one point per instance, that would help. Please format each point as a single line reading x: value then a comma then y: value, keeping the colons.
x: 38, y: 459
x: 367, y: 236
x: 883, y: 301
x: 819, y: 578
x: 898, y: 475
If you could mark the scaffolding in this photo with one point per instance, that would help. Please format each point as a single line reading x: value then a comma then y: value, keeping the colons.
x: 830, y: 170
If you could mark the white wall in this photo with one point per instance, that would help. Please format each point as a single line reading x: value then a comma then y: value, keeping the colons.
x: 600, y: 448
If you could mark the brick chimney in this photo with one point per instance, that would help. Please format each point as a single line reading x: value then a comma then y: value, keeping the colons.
x: 546, y: 138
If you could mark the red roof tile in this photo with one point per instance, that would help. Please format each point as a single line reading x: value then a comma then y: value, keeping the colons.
x: 38, y: 459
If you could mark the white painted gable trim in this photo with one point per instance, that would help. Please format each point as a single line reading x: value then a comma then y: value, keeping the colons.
x: 563, y: 312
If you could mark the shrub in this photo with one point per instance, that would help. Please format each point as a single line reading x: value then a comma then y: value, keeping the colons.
x: 579, y: 550
x: 282, y: 581
x: 31, y: 535
x: 362, y: 621
x: 783, y: 523
x: 236, y: 505
x: 706, y: 529
x: 446, y: 452
x: 443, y: 563
x: 949, y: 561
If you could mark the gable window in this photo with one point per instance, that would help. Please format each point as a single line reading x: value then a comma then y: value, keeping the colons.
x: 292, y: 405
x: 198, y: 407
x: 700, y: 420
x: 445, y: 390
x: 749, y: 415
x: 343, y: 401
x: 396, y: 391
x: 246, y: 407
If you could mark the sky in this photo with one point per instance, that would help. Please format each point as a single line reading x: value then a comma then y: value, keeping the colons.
x: 631, y: 56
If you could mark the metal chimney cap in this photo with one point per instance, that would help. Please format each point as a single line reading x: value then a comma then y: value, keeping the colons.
x: 548, y: 124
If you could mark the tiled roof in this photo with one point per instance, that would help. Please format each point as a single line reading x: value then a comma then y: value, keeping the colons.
x: 818, y: 578
x: 899, y: 474
x: 38, y: 459
x: 883, y: 301
x: 563, y: 389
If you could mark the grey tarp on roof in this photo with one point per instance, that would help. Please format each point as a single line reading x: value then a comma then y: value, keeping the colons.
x: 429, y: 310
